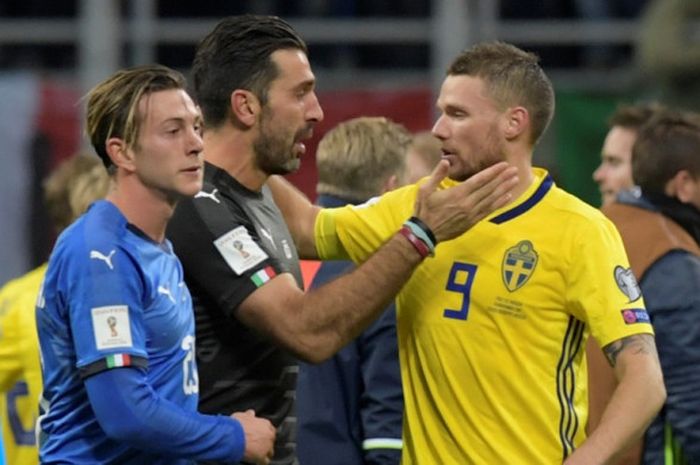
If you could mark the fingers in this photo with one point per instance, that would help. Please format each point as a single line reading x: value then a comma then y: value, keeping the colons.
x: 496, y: 191
x: 490, y: 188
x: 438, y: 174
x: 429, y: 186
x: 499, y: 172
x: 452, y: 211
x: 436, y: 177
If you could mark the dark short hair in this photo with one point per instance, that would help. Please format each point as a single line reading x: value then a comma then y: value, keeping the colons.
x: 634, y: 116
x: 513, y: 78
x: 112, y: 105
x: 667, y: 144
x: 236, y: 55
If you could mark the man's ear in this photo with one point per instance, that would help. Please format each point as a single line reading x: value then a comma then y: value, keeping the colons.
x: 517, y: 122
x: 120, y: 155
x: 682, y: 186
x: 390, y: 183
x: 245, y: 107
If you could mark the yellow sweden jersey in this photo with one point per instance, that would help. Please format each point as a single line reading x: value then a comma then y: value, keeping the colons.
x: 492, y: 330
x: 20, y: 369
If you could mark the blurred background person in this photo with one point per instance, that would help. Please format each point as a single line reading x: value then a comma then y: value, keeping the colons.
x: 423, y: 154
x: 51, y: 52
x: 350, y: 407
x: 660, y: 228
x: 615, y: 170
x: 614, y: 175
x: 68, y: 191
x: 668, y: 52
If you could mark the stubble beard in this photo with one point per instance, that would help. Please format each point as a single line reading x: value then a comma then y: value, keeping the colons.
x: 493, y: 152
x: 274, y: 154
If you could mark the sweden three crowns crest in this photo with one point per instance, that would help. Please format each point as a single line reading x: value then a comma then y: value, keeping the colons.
x: 518, y: 265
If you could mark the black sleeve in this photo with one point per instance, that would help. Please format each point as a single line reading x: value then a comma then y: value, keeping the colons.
x: 194, y: 230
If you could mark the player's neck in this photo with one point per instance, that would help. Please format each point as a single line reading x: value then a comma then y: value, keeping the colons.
x: 232, y: 151
x: 147, y: 209
x: 525, y: 176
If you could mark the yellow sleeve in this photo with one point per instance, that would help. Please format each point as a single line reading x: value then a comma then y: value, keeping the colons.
x: 601, y: 287
x: 328, y: 245
x: 354, y: 232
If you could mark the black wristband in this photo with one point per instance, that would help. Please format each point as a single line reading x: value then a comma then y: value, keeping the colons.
x: 415, y: 220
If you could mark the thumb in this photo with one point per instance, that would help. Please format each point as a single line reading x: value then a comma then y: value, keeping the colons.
x: 436, y: 177
x: 429, y: 186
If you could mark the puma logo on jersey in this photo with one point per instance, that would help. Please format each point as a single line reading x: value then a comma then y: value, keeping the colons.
x: 105, y: 258
x: 166, y: 292
x: 208, y: 195
x: 183, y: 296
x: 268, y: 236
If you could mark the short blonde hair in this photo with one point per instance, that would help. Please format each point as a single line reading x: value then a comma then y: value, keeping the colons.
x: 355, y: 158
x: 112, y: 105
x: 72, y: 187
x: 513, y: 78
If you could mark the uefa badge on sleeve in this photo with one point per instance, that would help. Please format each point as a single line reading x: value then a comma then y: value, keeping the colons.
x: 635, y: 315
x: 627, y: 283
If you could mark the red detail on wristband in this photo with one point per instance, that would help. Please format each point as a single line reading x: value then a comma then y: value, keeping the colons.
x: 421, y: 247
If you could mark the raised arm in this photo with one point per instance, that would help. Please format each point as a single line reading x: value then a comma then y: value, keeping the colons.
x: 448, y: 212
x: 638, y: 397
x: 316, y: 324
x: 299, y: 214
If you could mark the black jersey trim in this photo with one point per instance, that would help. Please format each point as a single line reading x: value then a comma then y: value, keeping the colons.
x: 514, y: 212
x: 566, y: 385
x: 113, y: 361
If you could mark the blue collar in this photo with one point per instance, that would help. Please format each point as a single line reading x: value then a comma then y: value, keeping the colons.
x: 530, y: 202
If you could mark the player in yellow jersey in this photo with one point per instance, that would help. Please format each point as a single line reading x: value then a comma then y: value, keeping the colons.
x: 68, y: 191
x: 492, y: 330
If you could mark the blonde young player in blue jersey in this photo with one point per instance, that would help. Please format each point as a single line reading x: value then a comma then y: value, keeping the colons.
x: 492, y: 330
x: 114, y: 317
x: 68, y: 191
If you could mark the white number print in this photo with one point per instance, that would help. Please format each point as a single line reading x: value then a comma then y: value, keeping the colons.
x: 190, y: 379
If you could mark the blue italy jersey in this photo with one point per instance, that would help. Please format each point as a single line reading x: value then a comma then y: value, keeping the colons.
x: 111, y: 298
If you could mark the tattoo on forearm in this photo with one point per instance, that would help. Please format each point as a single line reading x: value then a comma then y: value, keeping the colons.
x: 638, y: 344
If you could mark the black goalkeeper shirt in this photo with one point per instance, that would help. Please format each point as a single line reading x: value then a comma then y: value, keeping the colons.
x: 231, y: 241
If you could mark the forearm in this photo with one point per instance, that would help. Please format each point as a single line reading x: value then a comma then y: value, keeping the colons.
x: 637, y: 398
x: 315, y: 325
x: 329, y: 317
x: 622, y: 425
x: 129, y: 411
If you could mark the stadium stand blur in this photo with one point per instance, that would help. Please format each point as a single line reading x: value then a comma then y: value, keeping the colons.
x: 371, y: 57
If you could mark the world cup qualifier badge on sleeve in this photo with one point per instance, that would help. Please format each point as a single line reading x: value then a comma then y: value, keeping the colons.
x: 240, y: 250
x: 627, y: 283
